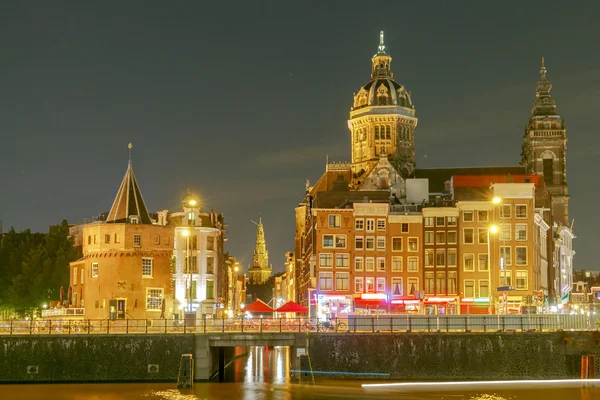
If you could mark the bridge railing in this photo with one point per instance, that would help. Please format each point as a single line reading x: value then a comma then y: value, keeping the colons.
x: 350, y: 324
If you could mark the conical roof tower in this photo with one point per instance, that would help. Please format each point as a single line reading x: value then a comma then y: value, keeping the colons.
x: 129, y: 205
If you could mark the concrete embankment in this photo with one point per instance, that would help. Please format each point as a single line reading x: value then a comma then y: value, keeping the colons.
x: 410, y: 356
x: 464, y: 356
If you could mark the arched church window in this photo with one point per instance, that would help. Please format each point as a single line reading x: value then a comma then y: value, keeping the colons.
x: 388, y: 135
x: 548, y: 168
x: 376, y: 132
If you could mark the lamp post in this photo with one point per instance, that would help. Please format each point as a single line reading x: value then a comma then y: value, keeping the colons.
x: 235, y: 282
x: 498, y: 202
x: 186, y: 234
x: 189, y: 202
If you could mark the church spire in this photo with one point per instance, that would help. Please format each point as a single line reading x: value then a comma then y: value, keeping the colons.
x: 381, y: 62
x: 544, y: 104
x: 260, y: 271
x: 129, y: 204
x: 381, y: 48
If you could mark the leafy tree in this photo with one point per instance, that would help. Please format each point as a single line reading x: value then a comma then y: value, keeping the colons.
x: 34, y: 266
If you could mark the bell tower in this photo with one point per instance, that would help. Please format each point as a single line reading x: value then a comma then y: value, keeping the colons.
x: 382, y: 120
x: 544, y: 150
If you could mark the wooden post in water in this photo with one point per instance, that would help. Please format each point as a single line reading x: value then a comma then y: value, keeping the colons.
x: 185, y: 379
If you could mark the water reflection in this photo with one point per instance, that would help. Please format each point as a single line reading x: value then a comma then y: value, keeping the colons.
x: 260, y: 364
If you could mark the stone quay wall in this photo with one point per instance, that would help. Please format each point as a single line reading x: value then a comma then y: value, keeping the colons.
x: 92, y: 358
x: 464, y: 356
x: 404, y: 356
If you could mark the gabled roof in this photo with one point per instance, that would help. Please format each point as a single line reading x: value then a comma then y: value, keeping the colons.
x: 128, y: 202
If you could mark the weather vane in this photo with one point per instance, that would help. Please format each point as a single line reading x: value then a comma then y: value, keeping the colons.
x: 130, y: 146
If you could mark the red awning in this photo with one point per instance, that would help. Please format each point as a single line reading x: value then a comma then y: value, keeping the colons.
x: 258, y: 306
x: 290, y: 306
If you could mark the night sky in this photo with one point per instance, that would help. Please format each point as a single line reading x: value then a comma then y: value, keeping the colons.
x: 242, y: 100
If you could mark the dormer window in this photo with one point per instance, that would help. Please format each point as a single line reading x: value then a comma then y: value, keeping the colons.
x: 133, y: 219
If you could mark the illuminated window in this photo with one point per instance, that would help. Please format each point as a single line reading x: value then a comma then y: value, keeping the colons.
x: 380, y: 242
x: 413, y: 264
x: 521, y: 280
x: 440, y: 237
x: 326, y: 281
x: 484, y: 288
x: 75, y: 276
x: 137, y: 240
x: 521, y: 232
x: 370, y: 285
x: 370, y: 264
x: 482, y: 215
x: 451, y: 258
x: 370, y: 243
x: 381, y: 284
x: 342, y: 260
x: 147, y: 267
x: 359, y: 285
x: 469, y: 288
x: 452, y: 282
x: 327, y: 241
x: 440, y: 258
x: 505, y: 255
x: 358, y: 264
x: 397, y: 289
x: 429, y: 237
x: 380, y: 264
x: 468, y: 262
x: 468, y: 216
x: 326, y: 260
x: 429, y: 283
x: 359, y: 224
x: 154, y: 299
x: 440, y: 221
x: 521, y: 211
x: 521, y: 255
x: 413, y: 244
x: 483, y: 262
x: 381, y: 224
x: 94, y: 270
x: 342, y: 281
x: 429, y: 221
x: 451, y: 237
x: 396, y: 264
x: 429, y: 257
x: 505, y: 211
x: 370, y: 225
x: 482, y: 235
x: 335, y: 221
x: 451, y: 221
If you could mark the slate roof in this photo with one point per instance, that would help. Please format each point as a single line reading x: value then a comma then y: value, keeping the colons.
x: 128, y: 202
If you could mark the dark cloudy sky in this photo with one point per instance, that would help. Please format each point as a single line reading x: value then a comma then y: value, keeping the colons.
x: 242, y: 100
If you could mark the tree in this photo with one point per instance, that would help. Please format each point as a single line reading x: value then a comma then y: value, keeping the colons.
x: 34, y: 266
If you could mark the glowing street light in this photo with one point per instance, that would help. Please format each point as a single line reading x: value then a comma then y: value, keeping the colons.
x: 185, y: 232
x: 494, y: 229
x: 192, y: 202
x: 497, y: 200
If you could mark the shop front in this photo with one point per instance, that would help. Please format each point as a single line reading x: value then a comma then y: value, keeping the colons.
x: 476, y: 305
x: 441, y: 306
x: 408, y: 305
x: 333, y: 306
x: 371, y: 303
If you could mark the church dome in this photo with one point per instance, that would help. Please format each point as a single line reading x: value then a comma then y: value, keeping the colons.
x: 382, y: 89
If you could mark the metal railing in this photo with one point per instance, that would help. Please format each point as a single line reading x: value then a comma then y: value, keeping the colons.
x: 352, y: 324
x: 58, y: 312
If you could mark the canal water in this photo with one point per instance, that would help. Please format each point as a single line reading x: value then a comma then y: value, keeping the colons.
x: 263, y: 374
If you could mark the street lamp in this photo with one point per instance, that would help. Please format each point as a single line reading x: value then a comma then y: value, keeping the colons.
x: 235, y: 282
x: 188, y: 266
x: 493, y: 229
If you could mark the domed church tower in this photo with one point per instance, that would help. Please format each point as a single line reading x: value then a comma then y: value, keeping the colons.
x: 382, y: 120
x: 544, y: 149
